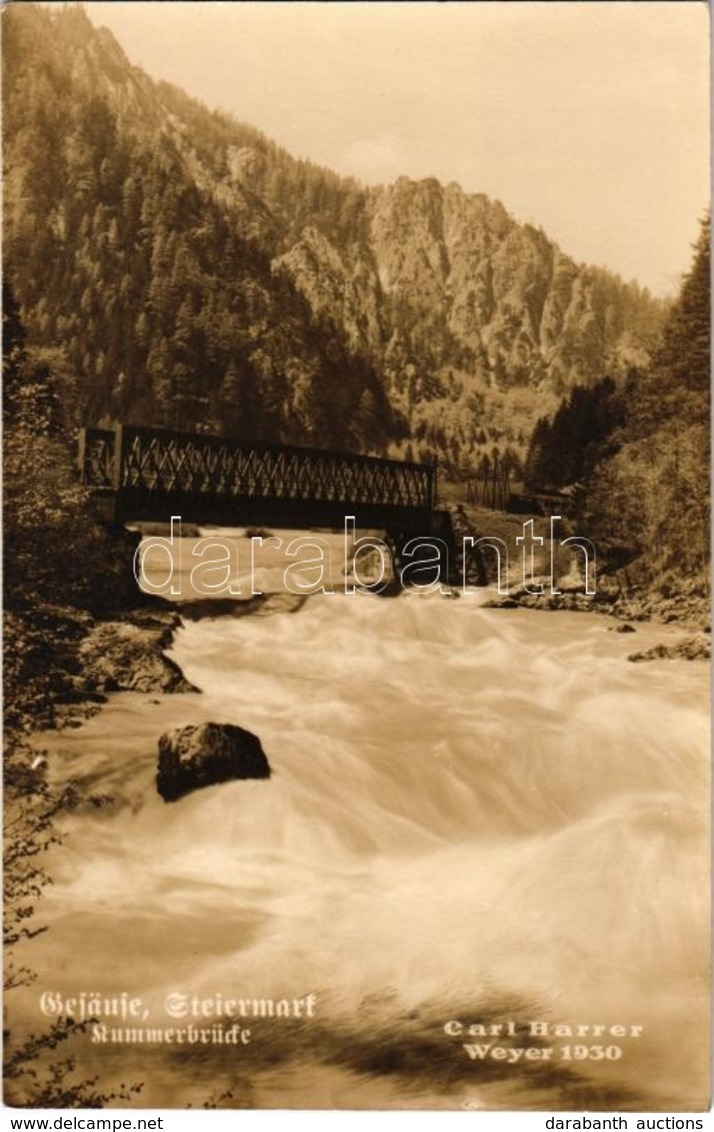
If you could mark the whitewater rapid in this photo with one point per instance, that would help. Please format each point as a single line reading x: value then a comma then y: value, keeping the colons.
x: 474, y: 814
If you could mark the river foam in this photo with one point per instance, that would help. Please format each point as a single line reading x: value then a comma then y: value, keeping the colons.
x: 480, y: 814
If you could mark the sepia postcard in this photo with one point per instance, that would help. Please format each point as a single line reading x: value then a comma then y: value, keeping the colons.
x: 356, y: 364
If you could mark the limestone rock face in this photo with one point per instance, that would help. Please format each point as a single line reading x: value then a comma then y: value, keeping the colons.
x: 206, y: 754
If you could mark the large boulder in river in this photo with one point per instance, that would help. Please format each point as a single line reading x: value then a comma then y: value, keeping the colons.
x: 204, y: 754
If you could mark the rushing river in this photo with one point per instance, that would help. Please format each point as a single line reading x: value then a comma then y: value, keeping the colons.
x: 475, y: 817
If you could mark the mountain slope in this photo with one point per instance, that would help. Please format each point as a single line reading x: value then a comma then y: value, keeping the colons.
x: 174, y: 266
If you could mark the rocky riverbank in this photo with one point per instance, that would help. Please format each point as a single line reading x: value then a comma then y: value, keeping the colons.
x: 61, y: 662
x: 686, y: 605
x: 627, y: 593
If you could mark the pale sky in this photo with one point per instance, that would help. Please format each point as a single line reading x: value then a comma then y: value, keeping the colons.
x: 590, y: 119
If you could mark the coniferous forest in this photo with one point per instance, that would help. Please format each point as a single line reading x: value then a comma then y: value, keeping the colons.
x: 176, y: 267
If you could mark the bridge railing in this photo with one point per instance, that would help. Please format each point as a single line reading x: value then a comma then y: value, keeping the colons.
x: 134, y: 460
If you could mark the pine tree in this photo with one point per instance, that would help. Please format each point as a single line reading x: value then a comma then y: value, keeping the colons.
x: 655, y: 490
x: 677, y: 382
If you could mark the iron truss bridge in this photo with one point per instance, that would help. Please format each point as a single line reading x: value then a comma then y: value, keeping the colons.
x: 152, y: 474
